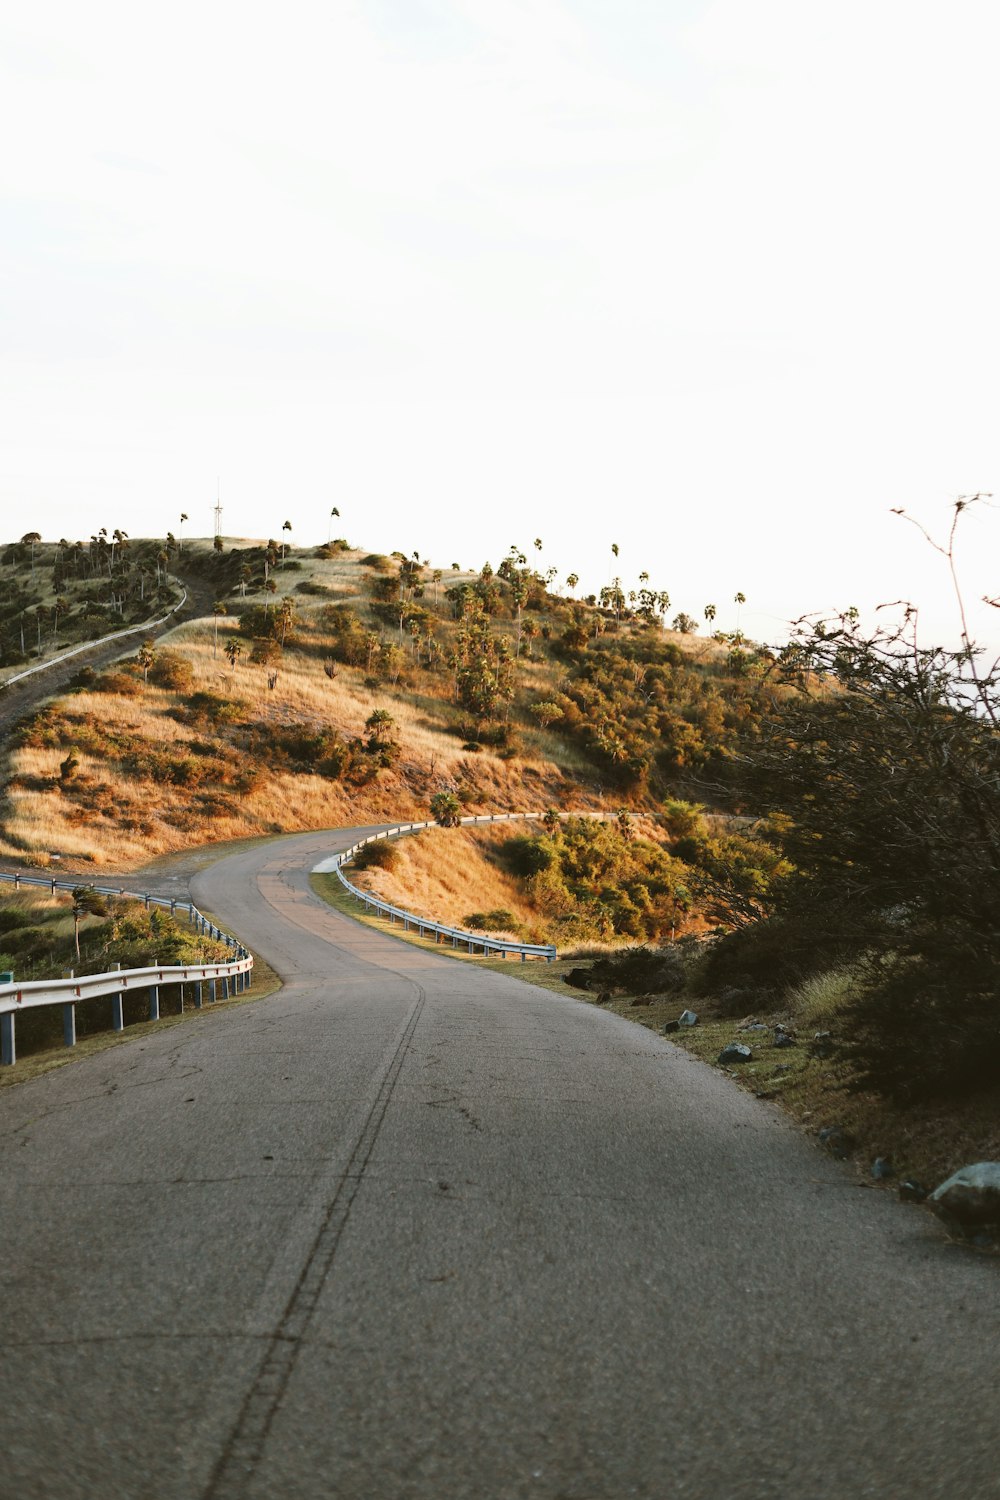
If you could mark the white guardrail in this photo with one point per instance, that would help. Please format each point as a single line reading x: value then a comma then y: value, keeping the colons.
x: 101, y: 640
x: 233, y: 977
x: 458, y: 937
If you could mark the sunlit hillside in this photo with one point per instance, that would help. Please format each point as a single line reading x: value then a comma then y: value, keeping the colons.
x: 331, y: 687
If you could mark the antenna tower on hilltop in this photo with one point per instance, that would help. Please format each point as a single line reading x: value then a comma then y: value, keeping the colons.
x: 218, y: 511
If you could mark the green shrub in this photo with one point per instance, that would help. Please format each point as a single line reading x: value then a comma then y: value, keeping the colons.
x: 497, y: 920
x: 527, y: 856
x: 381, y: 855
x: 172, y: 670
x: 207, y: 707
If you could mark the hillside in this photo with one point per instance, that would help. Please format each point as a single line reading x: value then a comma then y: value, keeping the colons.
x: 56, y: 595
x: 332, y: 686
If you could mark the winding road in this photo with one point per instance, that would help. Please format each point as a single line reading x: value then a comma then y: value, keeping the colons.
x: 408, y: 1230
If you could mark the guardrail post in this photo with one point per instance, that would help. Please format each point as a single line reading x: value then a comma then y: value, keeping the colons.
x: 213, y: 993
x: 69, y: 1024
x: 523, y: 957
x: 197, y: 995
x: 145, y: 900
x: 8, y: 1051
x: 117, y: 1013
x: 154, y: 1002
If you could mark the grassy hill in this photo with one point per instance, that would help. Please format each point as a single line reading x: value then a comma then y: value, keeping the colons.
x: 333, y: 686
x: 56, y: 595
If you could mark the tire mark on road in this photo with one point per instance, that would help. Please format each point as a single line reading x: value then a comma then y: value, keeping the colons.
x: 243, y: 1449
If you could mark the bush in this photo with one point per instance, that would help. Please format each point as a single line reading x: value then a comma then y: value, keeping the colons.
x: 641, y: 970
x: 381, y: 855
x: 773, y: 956
x: 205, y: 707
x: 120, y: 684
x: 497, y: 920
x: 172, y: 670
x: 526, y: 856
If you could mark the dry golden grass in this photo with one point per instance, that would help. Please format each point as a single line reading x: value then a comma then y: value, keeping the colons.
x: 39, y: 819
x: 444, y: 874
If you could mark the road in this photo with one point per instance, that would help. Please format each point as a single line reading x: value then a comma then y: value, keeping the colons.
x: 411, y: 1231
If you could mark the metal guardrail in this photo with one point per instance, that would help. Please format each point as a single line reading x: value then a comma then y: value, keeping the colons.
x: 457, y: 935
x: 102, y: 640
x: 234, y: 976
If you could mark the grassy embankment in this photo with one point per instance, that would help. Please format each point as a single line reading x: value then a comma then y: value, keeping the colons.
x: 37, y: 941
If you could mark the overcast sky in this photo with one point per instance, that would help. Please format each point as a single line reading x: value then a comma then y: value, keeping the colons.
x: 714, y: 281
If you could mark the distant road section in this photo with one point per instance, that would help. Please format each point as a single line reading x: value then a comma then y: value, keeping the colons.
x: 412, y: 1231
x: 20, y: 694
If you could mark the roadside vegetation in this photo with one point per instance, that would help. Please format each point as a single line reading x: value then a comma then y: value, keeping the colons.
x: 46, y: 936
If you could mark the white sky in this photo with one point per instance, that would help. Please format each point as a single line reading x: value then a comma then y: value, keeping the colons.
x: 715, y: 281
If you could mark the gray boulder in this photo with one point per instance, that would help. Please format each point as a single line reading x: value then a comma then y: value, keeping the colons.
x: 669, y: 1026
x: 735, y: 1052
x: 687, y: 1018
x: 840, y: 1142
x: 970, y: 1197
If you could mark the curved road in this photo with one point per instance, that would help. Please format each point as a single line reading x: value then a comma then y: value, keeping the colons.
x: 409, y: 1231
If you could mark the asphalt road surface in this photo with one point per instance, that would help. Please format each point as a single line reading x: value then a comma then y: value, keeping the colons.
x: 409, y: 1231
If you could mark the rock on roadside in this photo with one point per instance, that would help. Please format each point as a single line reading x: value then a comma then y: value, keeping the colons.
x: 970, y: 1197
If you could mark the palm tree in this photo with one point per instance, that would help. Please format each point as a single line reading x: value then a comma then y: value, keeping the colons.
x: 286, y: 526
x: 180, y: 529
x: 31, y: 539
x: 59, y: 607
x: 329, y: 530
x: 218, y: 608
x: 380, y: 725
x: 145, y: 658
x: 233, y: 651
x: 86, y: 901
